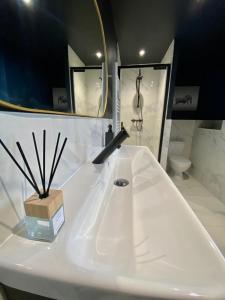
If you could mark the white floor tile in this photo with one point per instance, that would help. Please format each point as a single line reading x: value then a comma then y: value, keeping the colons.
x: 209, y: 210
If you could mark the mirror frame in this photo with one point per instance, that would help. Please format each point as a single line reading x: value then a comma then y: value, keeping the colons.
x: 17, y: 108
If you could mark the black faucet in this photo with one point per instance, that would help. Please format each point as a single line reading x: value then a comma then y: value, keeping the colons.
x: 113, y: 145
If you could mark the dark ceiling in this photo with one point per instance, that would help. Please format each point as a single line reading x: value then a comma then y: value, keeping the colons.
x: 203, y: 29
x: 201, y: 42
x: 148, y: 24
x: 198, y: 25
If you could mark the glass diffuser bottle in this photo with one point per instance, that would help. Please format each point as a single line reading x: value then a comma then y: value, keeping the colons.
x: 44, y: 217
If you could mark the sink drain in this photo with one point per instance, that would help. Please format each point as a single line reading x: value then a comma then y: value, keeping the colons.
x: 121, y: 182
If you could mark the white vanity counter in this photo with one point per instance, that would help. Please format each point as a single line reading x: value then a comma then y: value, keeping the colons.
x: 138, y: 240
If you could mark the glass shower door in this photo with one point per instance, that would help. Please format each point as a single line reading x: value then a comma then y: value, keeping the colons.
x: 142, y: 99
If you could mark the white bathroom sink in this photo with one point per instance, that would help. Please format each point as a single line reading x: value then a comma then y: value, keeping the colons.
x: 119, y: 242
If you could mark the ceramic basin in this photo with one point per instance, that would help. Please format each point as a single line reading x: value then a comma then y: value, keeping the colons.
x: 131, y: 242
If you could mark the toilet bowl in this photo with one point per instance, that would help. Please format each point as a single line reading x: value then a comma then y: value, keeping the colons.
x: 177, y: 162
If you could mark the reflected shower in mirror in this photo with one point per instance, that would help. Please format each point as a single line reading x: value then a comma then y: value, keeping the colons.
x: 87, y: 86
x: 39, y: 42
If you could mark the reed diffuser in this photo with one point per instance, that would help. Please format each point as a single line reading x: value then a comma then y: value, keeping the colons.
x: 44, y: 209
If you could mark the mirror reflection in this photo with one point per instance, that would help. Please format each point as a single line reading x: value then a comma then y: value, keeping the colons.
x: 41, y: 42
x: 87, y: 85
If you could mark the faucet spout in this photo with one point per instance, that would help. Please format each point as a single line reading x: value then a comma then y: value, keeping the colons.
x: 112, y: 146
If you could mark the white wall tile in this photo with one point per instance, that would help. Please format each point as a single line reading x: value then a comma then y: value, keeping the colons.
x: 208, y: 156
x: 183, y: 130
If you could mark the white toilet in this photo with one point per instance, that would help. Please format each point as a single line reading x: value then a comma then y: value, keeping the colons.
x: 177, y: 162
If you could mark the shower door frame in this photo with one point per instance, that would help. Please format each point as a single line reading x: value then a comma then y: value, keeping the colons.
x: 166, y: 67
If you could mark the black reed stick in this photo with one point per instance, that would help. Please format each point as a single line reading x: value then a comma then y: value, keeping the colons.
x: 28, y: 168
x: 56, y: 165
x: 17, y: 164
x: 38, y: 159
x: 54, y: 157
x: 44, y: 141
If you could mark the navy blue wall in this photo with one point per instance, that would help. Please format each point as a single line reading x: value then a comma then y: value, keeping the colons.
x: 209, y: 75
x: 200, y: 48
x: 211, y: 79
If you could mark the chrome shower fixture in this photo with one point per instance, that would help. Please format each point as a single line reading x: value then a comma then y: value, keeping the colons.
x: 138, y: 86
x: 139, y: 121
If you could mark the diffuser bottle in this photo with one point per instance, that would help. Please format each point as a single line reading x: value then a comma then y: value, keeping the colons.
x: 44, y: 217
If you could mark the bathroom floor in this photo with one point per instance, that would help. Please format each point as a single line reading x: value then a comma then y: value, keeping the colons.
x: 209, y: 210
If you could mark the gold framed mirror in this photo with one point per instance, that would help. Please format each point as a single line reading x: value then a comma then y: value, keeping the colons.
x: 53, y: 57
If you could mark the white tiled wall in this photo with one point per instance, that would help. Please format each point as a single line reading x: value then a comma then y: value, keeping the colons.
x: 208, y: 158
x: 183, y: 130
x: 85, y: 139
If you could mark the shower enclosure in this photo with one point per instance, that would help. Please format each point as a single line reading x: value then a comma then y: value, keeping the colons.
x: 87, y: 90
x: 143, y: 101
